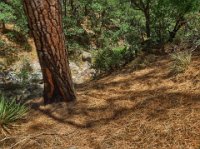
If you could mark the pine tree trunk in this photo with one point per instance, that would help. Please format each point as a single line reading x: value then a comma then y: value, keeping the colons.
x: 45, y: 22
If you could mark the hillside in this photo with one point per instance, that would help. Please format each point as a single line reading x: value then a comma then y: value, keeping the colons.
x: 129, y: 109
x: 111, y: 74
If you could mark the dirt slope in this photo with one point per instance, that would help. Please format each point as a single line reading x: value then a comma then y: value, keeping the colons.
x: 143, y: 109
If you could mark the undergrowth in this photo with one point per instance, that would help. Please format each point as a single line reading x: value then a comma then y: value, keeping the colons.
x: 110, y: 59
x: 181, y: 61
x: 10, y: 111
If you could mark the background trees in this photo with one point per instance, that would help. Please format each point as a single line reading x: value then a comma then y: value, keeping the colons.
x: 101, y: 27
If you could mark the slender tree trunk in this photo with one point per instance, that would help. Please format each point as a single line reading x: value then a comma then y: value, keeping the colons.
x: 45, y: 22
x: 179, y: 23
x: 65, y: 7
x: 73, y: 9
x: 147, y: 19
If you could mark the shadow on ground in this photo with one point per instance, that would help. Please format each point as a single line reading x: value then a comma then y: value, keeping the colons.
x: 114, y: 97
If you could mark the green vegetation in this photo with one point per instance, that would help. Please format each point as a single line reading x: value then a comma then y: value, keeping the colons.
x: 150, y: 101
x: 181, y: 61
x: 102, y: 26
x: 106, y: 60
x: 12, y: 12
x: 11, y: 111
x: 24, y: 72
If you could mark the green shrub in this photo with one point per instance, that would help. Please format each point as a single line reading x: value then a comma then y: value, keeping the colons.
x: 25, y: 71
x: 106, y: 60
x: 10, y: 111
x: 7, y: 13
x: 181, y: 61
x: 2, y: 43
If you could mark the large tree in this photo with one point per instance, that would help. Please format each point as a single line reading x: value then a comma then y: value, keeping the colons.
x: 45, y: 23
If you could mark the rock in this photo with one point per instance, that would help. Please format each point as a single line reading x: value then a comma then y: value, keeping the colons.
x: 82, y: 72
x: 26, y: 95
x: 33, y: 85
x: 12, y: 76
x: 74, y: 67
x: 86, y: 56
x: 36, y: 66
x: 36, y: 77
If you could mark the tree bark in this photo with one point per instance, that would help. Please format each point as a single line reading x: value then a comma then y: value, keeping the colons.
x: 147, y: 23
x: 2, y: 26
x: 45, y: 22
x: 179, y: 23
x: 144, y: 6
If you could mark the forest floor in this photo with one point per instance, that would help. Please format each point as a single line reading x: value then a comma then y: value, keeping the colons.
x: 129, y: 109
x: 145, y: 108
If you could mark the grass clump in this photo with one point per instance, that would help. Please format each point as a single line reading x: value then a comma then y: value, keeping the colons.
x: 24, y: 72
x: 181, y: 61
x: 10, y: 111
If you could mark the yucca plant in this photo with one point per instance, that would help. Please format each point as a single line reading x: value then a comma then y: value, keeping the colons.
x: 10, y: 111
x: 181, y: 61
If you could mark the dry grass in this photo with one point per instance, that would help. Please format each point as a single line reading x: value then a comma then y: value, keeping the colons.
x: 143, y: 109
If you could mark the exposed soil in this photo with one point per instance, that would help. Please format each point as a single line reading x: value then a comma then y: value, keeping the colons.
x: 129, y: 109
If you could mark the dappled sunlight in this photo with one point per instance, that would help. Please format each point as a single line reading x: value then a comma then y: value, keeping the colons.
x: 140, y: 108
x: 99, y: 74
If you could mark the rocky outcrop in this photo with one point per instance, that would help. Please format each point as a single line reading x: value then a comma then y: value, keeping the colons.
x: 16, y: 87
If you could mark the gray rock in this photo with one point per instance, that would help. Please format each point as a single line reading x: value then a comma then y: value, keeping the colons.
x: 74, y: 67
x: 82, y: 72
x: 86, y: 56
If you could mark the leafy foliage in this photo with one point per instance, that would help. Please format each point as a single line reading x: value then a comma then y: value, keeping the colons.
x: 101, y: 25
x: 111, y: 59
x: 13, y: 12
x: 7, y: 13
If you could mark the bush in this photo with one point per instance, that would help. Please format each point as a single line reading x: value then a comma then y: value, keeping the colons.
x: 181, y: 61
x: 106, y: 60
x: 2, y: 43
x: 24, y: 72
x: 10, y: 111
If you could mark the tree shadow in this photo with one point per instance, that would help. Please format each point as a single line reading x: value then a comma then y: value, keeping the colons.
x: 148, y: 94
x: 96, y: 108
x: 154, y: 107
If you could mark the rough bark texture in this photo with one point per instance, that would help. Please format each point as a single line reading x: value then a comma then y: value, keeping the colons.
x: 45, y: 22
